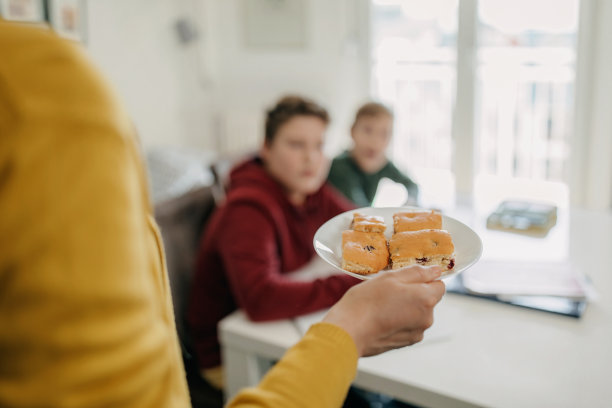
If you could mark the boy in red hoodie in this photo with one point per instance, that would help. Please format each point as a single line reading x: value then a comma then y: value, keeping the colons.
x: 264, y: 231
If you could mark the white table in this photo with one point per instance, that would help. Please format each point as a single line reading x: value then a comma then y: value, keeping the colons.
x: 496, y: 356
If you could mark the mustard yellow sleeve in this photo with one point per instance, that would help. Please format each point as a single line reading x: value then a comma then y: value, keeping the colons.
x: 84, y: 300
x: 316, y: 372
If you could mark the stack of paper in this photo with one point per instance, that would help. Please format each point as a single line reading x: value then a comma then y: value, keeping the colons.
x: 556, y: 287
x: 527, y: 278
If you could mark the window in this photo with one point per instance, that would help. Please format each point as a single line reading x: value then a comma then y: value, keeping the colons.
x: 518, y: 100
x: 414, y: 47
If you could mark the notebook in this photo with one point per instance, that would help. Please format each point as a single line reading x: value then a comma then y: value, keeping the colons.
x: 566, y: 306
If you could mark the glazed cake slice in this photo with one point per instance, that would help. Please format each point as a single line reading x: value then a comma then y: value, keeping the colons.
x: 423, y: 247
x: 416, y: 220
x: 368, y: 223
x: 364, y: 252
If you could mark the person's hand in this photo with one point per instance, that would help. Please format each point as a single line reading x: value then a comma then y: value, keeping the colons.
x: 390, y: 311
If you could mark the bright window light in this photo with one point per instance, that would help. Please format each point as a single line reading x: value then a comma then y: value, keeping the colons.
x: 524, y: 91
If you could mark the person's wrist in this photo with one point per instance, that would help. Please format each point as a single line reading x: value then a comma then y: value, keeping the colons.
x: 349, y: 326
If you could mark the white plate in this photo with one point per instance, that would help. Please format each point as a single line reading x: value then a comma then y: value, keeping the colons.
x: 328, y: 238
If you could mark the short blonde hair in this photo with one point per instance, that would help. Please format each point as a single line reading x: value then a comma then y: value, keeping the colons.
x: 372, y: 109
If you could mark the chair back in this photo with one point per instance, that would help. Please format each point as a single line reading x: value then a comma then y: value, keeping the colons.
x: 182, y: 221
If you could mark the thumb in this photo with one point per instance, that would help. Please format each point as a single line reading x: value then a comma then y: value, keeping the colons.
x: 418, y: 273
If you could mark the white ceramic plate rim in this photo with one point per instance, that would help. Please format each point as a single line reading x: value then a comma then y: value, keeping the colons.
x: 327, y: 240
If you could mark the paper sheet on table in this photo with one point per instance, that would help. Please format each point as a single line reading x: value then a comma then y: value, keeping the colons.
x: 527, y: 278
x: 439, y: 330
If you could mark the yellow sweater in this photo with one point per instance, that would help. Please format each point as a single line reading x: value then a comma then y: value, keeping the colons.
x: 86, y: 315
x: 315, y: 373
x: 84, y: 300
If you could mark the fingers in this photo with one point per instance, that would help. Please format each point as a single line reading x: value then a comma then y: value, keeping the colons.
x: 418, y: 274
x: 399, y: 306
x: 405, y: 338
x: 398, y: 340
x: 436, y: 290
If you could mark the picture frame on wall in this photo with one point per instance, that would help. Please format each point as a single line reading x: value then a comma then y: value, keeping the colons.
x: 68, y: 18
x: 27, y: 11
x: 275, y: 24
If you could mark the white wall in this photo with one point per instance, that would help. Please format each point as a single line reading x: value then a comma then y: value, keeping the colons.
x: 333, y: 69
x: 591, y: 171
x: 136, y: 46
x: 213, y: 93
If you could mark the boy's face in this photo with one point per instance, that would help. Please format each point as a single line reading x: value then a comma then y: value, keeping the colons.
x: 295, y: 156
x: 371, y: 136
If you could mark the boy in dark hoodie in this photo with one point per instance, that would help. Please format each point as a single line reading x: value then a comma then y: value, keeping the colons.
x: 264, y: 231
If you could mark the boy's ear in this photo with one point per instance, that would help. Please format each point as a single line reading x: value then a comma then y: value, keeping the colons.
x: 264, y: 150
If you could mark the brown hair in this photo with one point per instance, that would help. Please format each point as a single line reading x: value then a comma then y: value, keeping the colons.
x: 372, y: 109
x: 289, y: 107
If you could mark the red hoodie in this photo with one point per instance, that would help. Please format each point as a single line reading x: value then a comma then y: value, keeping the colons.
x: 251, y: 242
